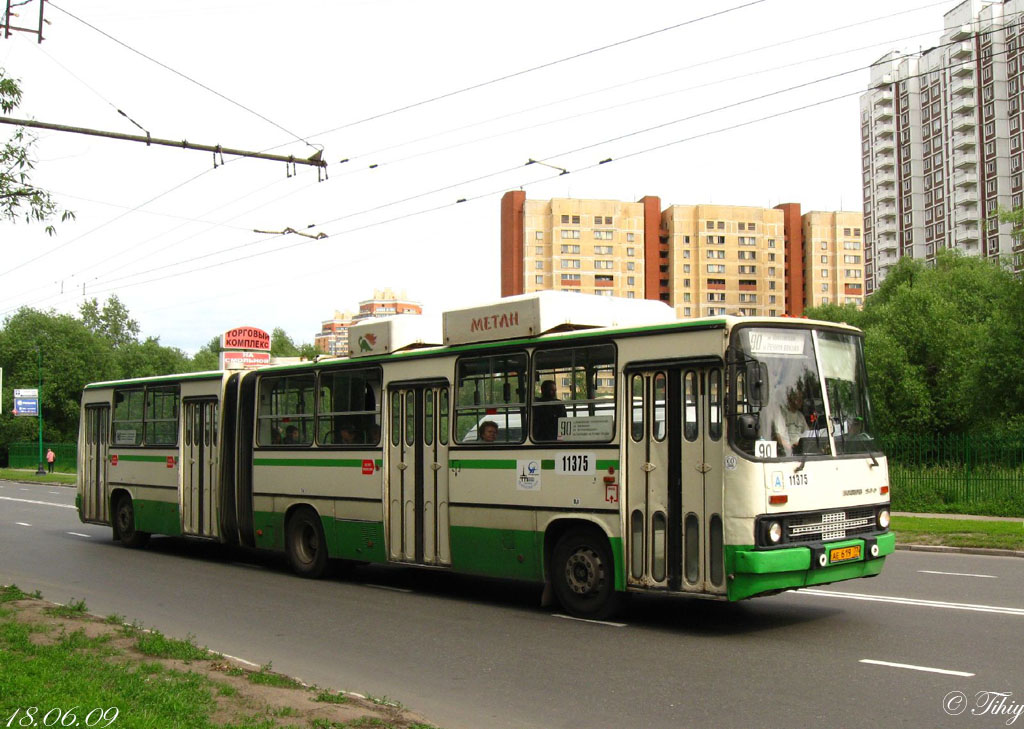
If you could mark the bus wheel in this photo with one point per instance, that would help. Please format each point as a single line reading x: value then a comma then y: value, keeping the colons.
x: 582, y: 574
x: 305, y: 544
x: 124, y: 524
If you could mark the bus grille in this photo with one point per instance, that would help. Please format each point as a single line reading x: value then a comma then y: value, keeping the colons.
x: 826, y: 525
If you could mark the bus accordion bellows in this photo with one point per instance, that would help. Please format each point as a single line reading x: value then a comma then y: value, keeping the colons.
x: 599, y: 446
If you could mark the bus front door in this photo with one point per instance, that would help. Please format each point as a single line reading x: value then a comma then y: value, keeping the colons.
x: 417, y: 483
x: 95, y: 506
x: 200, y: 469
x: 673, y: 471
x: 702, y: 497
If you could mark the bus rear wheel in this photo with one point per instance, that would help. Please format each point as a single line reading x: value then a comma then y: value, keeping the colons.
x: 583, y: 575
x: 305, y: 544
x: 124, y: 524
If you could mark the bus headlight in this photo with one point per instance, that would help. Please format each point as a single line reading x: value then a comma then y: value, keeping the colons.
x: 775, y: 532
x: 883, y: 518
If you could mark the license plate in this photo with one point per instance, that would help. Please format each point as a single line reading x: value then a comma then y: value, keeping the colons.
x: 843, y: 554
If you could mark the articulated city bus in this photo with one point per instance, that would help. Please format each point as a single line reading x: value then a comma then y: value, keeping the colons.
x: 599, y: 446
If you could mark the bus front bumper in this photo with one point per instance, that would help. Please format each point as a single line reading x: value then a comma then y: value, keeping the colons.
x: 753, y: 571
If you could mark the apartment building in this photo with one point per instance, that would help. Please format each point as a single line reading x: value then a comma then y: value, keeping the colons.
x: 704, y: 260
x: 941, y: 142
x: 333, y: 336
x: 564, y: 244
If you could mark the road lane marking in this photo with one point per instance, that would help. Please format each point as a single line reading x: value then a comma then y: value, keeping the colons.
x: 21, y: 523
x: 587, y: 620
x: 955, y: 574
x: 387, y: 587
x: 915, y: 602
x: 241, y: 660
x: 43, y: 503
x: 76, y: 534
x: 929, y: 669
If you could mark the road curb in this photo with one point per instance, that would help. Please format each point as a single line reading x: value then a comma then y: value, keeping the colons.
x: 961, y: 550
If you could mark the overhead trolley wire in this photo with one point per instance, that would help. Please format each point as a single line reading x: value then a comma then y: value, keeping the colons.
x: 182, y: 75
x: 475, y: 179
x: 548, y: 64
x: 690, y: 67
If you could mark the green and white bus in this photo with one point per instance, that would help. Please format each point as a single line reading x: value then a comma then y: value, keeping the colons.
x: 599, y: 446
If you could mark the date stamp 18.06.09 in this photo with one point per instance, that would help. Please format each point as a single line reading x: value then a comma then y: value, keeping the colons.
x: 34, y: 716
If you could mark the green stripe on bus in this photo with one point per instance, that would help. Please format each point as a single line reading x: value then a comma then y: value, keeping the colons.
x: 140, y: 459
x: 546, y: 464
x: 315, y: 462
x: 484, y: 464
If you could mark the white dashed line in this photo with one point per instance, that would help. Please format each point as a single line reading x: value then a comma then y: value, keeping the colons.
x: 76, y: 534
x: 387, y: 587
x: 915, y: 603
x: 956, y: 574
x: 929, y: 669
x: 585, y: 620
x: 42, y: 503
x: 21, y: 523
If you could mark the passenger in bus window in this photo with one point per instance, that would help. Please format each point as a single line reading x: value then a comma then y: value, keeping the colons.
x: 291, y: 435
x: 347, y: 435
x: 275, y: 436
x: 488, y: 431
x: 546, y: 412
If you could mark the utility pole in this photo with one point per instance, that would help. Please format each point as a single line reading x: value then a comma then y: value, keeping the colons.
x: 39, y: 367
x: 6, y: 25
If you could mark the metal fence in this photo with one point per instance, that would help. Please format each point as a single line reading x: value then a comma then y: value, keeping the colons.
x: 955, y: 469
x: 26, y: 455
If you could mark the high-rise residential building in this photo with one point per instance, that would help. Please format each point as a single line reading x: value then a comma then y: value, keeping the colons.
x: 333, y: 336
x: 701, y: 259
x: 565, y: 244
x: 386, y: 302
x: 941, y: 142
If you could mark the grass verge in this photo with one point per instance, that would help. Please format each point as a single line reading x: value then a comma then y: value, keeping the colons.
x: 16, y: 474
x: 959, y: 532
x: 62, y: 666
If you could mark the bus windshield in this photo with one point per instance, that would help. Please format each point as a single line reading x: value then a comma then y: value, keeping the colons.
x: 799, y: 392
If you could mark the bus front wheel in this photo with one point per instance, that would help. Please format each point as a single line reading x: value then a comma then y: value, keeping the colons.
x: 305, y: 544
x: 124, y: 524
x: 583, y: 575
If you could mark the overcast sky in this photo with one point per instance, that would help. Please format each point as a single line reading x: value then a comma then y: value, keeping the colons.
x: 174, y: 238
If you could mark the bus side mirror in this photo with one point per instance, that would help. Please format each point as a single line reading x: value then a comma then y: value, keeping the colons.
x: 757, y: 383
x: 747, y: 425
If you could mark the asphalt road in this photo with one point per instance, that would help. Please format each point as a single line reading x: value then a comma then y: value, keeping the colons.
x: 482, y: 654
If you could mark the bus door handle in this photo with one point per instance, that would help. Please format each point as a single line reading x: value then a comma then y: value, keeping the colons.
x: 435, y: 466
x: 402, y: 466
x: 648, y: 467
x: 702, y: 468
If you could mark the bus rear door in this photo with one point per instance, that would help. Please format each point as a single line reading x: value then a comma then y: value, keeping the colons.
x: 95, y: 504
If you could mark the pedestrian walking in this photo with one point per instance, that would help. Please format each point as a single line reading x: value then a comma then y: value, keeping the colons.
x: 50, y: 458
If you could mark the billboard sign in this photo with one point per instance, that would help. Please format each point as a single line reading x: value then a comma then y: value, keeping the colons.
x: 26, y: 402
x: 247, y: 338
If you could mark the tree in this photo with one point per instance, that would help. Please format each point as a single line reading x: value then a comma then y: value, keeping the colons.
x: 70, y: 357
x: 281, y: 345
x: 944, y: 345
x: 208, y: 356
x: 19, y: 198
x: 111, y: 322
